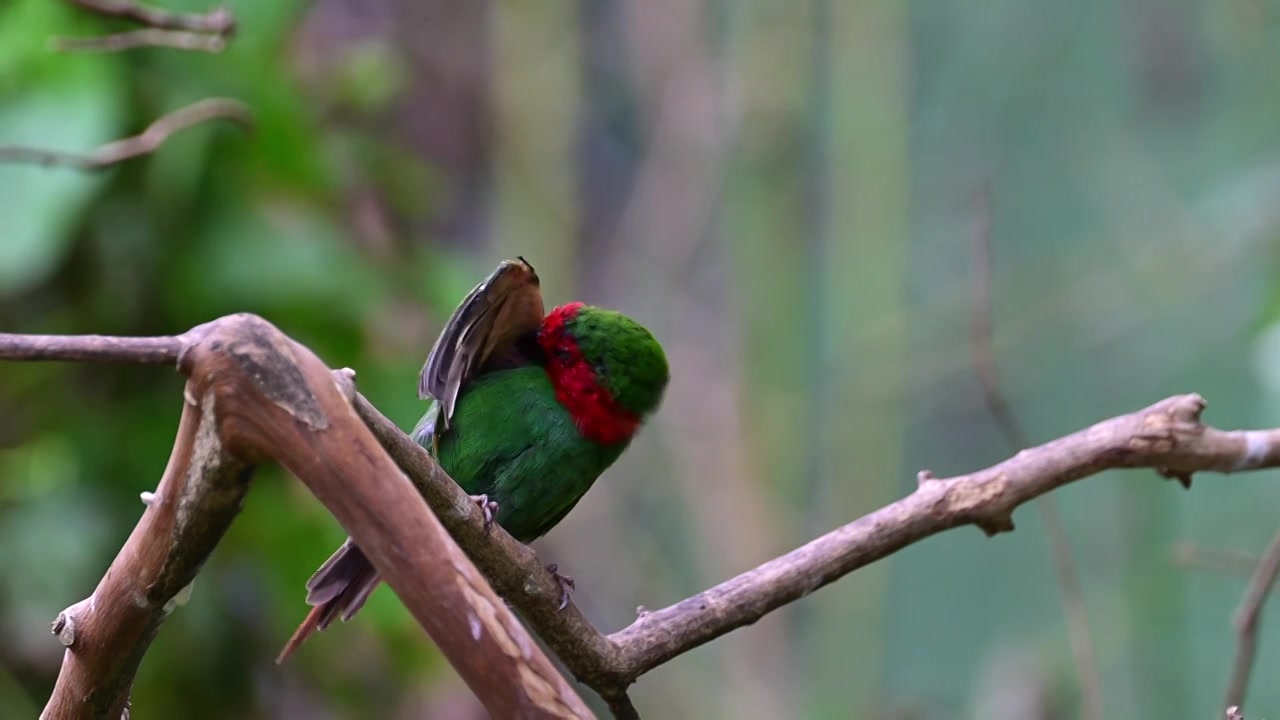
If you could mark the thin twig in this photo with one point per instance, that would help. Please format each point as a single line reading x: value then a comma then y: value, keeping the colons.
x: 162, y: 350
x: 1248, y: 619
x: 984, y: 362
x: 218, y: 21
x: 147, y: 37
x: 131, y: 147
x: 203, y: 32
x: 1229, y: 562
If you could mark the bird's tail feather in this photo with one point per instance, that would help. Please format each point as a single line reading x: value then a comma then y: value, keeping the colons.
x: 338, y: 589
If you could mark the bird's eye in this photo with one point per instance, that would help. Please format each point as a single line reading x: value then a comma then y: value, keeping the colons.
x: 564, y: 357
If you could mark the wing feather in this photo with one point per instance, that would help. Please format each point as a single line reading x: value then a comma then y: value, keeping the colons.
x: 486, y: 324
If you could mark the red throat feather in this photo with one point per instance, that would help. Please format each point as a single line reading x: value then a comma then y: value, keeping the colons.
x: 598, y: 416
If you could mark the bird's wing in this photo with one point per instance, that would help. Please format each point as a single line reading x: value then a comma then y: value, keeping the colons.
x: 487, y: 324
x: 424, y: 432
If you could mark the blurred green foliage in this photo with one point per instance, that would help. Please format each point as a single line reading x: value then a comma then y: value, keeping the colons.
x: 784, y: 193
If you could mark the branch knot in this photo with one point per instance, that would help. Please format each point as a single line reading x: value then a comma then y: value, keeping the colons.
x: 979, y: 500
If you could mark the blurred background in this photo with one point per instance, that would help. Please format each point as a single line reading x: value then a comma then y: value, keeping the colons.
x: 786, y: 194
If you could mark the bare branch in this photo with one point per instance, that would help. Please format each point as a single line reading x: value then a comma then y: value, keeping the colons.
x: 107, y: 634
x: 147, y: 37
x: 91, y: 348
x: 218, y: 21
x: 1167, y: 435
x: 1248, y: 619
x: 1190, y: 555
x: 254, y: 394
x: 202, y: 32
x: 511, y: 566
x: 131, y: 147
x: 984, y: 362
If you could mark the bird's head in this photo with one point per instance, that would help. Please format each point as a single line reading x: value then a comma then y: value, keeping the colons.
x: 605, y: 357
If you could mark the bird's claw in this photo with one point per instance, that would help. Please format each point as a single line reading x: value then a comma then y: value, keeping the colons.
x: 565, y: 582
x: 488, y: 507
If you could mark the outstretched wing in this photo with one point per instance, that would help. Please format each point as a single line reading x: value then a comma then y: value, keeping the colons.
x: 485, y: 328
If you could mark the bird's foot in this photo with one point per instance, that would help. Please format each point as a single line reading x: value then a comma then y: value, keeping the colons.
x: 564, y: 581
x: 488, y: 507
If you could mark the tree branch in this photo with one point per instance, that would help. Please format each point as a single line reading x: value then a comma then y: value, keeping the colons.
x: 146, y: 37
x: 107, y: 634
x: 1248, y: 616
x: 203, y: 32
x: 1168, y: 435
x: 218, y: 21
x: 1079, y: 637
x: 92, y: 348
x: 1195, y: 557
x: 510, y: 565
x: 1248, y: 619
x: 255, y: 394
x: 141, y: 144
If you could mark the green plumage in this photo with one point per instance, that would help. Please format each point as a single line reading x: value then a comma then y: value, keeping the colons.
x: 527, y: 411
x: 512, y: 440
x: 630, y: 364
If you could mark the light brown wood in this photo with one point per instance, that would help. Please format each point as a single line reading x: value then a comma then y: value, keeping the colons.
x: 255, y: 395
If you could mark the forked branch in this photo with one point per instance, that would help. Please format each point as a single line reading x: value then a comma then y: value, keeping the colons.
x: 1168, y: 436
x: 254, y: 395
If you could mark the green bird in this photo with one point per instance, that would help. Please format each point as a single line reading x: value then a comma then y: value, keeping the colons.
x: 528, y: 409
